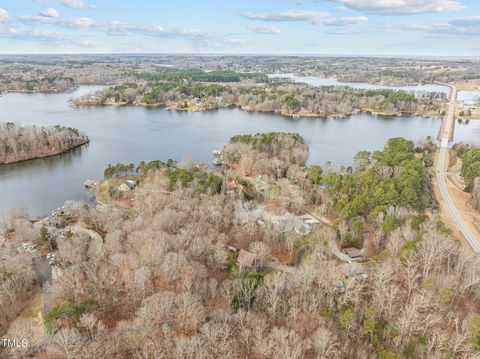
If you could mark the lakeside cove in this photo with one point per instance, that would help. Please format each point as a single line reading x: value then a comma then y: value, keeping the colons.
x: 135, y: 133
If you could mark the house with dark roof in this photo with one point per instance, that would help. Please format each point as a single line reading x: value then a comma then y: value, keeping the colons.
x: 353, y: 253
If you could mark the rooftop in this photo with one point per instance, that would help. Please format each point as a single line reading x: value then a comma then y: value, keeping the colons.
x: 245, y: 258
x: 352, y: 252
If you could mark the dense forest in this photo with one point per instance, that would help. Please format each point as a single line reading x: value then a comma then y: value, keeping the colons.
x: 392, y: 177
x: 163, y: 278
x: 470, y: 171
x: 53, y: 83
x: 173, y: 74
x: 470, y: 166
x: 280, y: 97
x: 18, y: 143
x: 52, y: 73
x: 17, y: 279
x: 273, y: 155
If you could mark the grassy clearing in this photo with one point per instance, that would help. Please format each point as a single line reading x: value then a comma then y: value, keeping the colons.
x: 34, y: 307
x: 103, y: 193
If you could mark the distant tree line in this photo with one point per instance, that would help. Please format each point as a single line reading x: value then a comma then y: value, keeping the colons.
x: 197, y: 75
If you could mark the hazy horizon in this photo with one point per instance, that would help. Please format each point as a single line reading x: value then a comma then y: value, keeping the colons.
x: 235, y: 54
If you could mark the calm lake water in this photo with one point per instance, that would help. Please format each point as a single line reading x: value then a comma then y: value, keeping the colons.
x: 467, y: 97
x: 136, y: 133
x: 330, y: 81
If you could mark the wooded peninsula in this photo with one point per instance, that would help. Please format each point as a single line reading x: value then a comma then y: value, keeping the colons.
x: 19, y: 143
x: 281, y: 97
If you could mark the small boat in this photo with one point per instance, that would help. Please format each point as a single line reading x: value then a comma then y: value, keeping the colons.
x: 217, y: 161
x: 216, y: 153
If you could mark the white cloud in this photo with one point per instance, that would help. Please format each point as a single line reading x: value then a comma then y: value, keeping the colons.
x: 401, y: 7
x: 287, y: 15
x: 45, y: 35
x: 50, y: 12
x: 79, y: 22
x: 314, y: 17
x: 71, y: 23
x: 118, y: 28
x: 347, y: 31
x: 30, y: 35
x: 76, y: 4
x: 466, y: 21
x: 4, y: 15
x: 264, y: 29
x: 35, y: 35
x: 343, y: 21
x: 198, y: 37
x: 6, y: 31
x: 459, y: 28
x: 31, y: 19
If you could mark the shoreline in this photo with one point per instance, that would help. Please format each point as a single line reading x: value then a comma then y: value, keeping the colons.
x: 248, y: 109
x: 54, y: 91
x: 55, y: 153
x: 345, y: 82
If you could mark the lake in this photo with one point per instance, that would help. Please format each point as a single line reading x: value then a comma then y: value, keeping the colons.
x: 467, y: 97
x: 331, y: 81
x: 135, y: 133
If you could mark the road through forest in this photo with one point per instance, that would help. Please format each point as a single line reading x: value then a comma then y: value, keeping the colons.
x: 441, y: 175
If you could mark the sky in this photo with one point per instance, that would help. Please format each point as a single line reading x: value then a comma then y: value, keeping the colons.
x: 315, y: 27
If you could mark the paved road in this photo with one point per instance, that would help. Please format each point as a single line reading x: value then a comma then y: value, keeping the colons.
x: 441, y: 176
x: 43, y: 271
